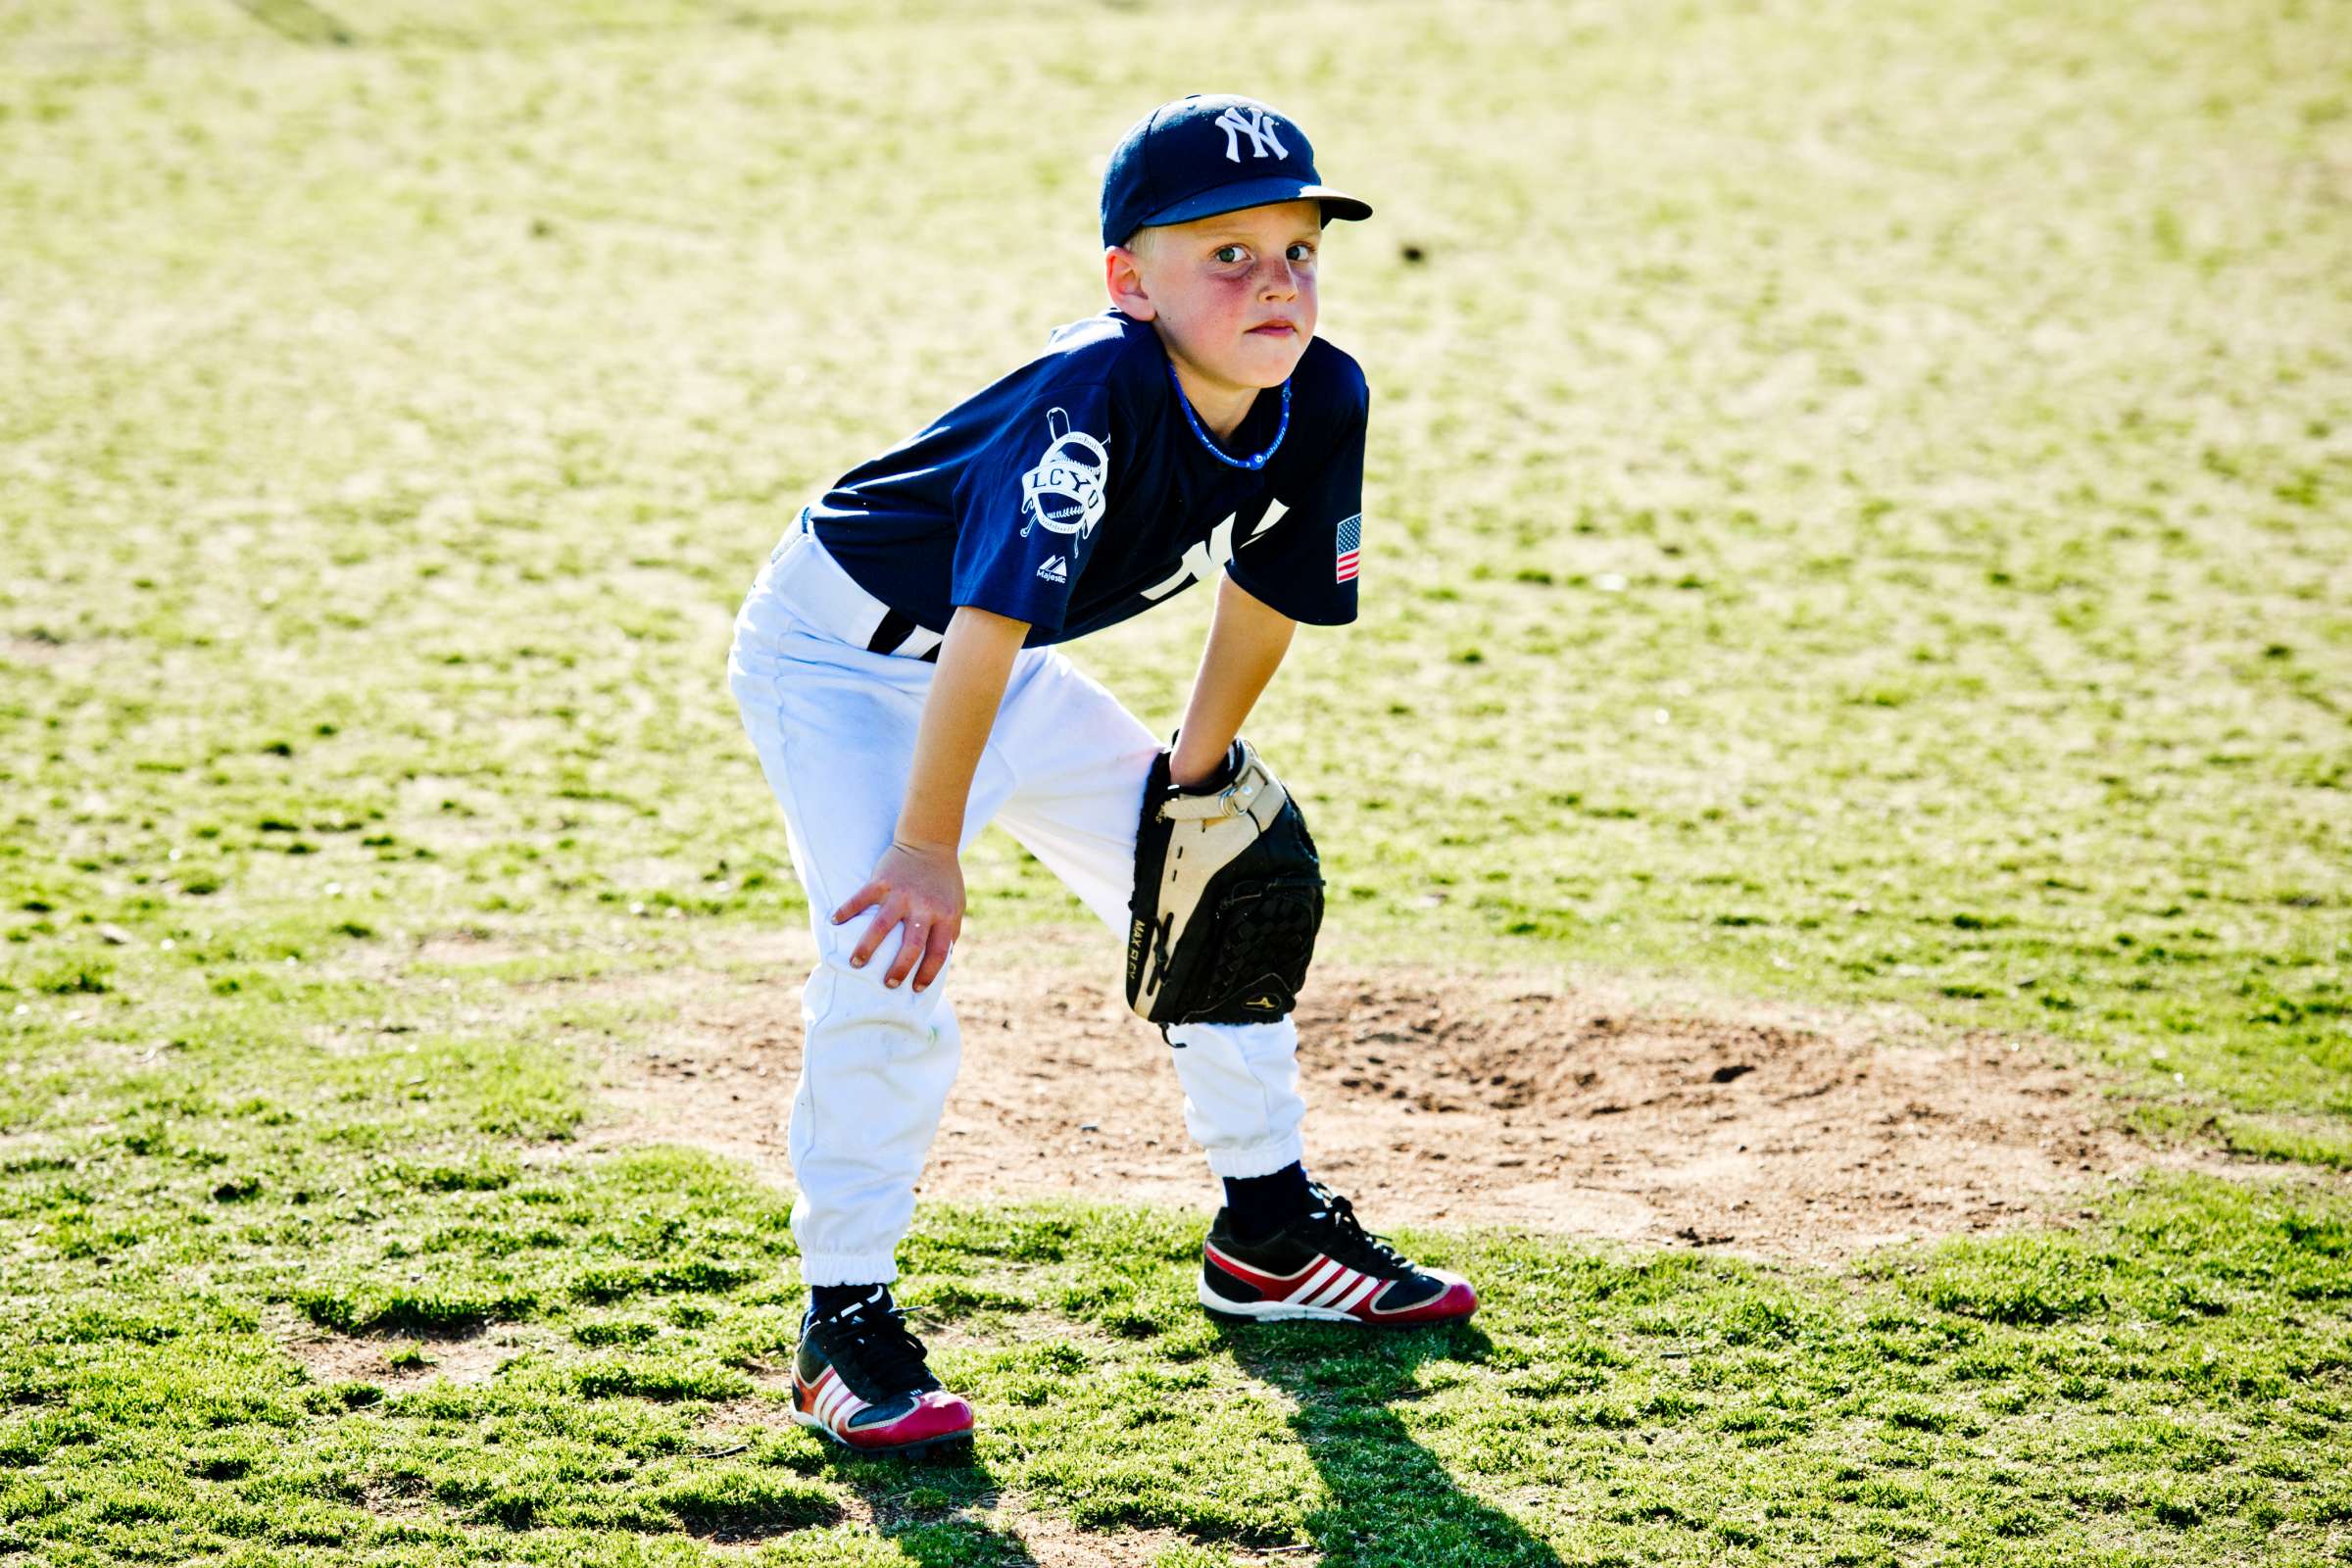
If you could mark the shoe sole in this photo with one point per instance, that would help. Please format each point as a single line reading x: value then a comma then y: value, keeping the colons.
x: 918, y: 1445
x: 1225, y: 1311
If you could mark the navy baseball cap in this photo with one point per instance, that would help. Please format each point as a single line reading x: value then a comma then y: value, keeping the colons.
x: 1206, y: 154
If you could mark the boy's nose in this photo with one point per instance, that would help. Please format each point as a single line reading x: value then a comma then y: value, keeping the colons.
x: 1277, y: 278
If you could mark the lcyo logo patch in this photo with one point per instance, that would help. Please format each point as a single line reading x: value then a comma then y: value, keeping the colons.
x: 1065, y: 491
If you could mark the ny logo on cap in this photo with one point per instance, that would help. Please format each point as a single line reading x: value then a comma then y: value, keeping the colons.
x: 1255, y: 123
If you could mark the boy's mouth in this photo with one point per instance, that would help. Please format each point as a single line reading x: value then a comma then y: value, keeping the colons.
x: 1274, y: 328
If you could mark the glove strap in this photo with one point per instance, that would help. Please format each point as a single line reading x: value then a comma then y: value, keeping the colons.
x: 1233, y: 800
x: 1228, y: 768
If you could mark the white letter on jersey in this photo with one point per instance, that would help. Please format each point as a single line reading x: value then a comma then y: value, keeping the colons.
x: 1258, y: 126
x: 1064, y: 491
x: 1202, y: 559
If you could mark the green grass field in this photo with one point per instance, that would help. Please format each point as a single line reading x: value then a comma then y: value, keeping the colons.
x: 1860, y: 512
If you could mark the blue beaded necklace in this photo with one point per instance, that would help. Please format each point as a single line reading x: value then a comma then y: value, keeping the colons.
x: 1256, y: 461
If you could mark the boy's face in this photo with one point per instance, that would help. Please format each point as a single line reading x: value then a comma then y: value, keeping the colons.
x: 1233, y: 296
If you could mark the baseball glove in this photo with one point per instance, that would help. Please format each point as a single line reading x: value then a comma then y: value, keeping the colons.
x: 1228, y: 897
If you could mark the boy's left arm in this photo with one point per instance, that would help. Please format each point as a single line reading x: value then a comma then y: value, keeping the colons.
x: 1246, y: 639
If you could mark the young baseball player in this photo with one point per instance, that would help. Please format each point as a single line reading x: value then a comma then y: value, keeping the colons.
x: 895, y: 666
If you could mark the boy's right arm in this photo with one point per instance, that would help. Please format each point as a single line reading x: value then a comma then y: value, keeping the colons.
x: 919, y: 880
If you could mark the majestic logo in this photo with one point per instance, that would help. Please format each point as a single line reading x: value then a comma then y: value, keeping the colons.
x: 1064, y: 491
x: 1255, y: 123
x: 1055, y: 570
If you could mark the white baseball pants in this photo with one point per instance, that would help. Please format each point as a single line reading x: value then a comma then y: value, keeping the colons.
x: 1064, y: 771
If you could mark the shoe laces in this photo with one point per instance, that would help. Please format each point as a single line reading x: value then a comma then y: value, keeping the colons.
x: 877, y: 1355
x: 1363, y: 1248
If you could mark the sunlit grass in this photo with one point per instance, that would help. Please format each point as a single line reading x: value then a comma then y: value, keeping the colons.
x: 1860, y: 510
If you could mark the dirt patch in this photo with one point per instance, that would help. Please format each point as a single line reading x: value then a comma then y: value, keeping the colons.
x: 1434, y: 1096
x: 1052, y: 1542
x: 40, y: 650
x: 1043, y: 1541
x: 393, y: 1362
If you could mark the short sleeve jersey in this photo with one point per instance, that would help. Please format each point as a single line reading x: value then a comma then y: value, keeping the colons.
x: 1078, y: 492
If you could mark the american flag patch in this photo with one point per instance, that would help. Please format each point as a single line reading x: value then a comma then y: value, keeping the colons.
x: 1351, y: 540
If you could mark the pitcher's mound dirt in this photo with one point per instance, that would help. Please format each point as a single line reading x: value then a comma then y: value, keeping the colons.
x: 1432, y: 1097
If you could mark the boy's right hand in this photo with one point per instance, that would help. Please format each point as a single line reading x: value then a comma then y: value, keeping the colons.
x: 920, y: 886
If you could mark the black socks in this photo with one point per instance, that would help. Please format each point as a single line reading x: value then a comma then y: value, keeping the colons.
x: 828, y: 1300
x: 1256, y: 1207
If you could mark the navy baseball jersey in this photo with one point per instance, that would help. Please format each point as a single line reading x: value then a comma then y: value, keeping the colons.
x: 1080, y: 490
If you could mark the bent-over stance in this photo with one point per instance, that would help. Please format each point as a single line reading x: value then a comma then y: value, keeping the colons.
x: 895, y: 665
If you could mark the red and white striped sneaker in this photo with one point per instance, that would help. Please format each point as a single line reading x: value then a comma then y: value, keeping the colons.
x: 1326, y: 1267
x: 860, y: 1378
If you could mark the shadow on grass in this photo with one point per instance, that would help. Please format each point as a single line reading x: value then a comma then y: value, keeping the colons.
x: 927, y: 1505
x: 1392, y: 1503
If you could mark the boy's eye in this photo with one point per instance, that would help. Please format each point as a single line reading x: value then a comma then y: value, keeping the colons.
x: 1301, y: 250
x: 1227, y: 253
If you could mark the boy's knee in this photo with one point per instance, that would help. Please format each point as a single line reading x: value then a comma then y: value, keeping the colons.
x: 849, y: 1012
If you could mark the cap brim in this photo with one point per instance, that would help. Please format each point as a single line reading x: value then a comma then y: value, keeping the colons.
x: 1259, y: 193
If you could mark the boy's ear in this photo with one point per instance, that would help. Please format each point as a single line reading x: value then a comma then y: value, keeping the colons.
x: 1123, y: 277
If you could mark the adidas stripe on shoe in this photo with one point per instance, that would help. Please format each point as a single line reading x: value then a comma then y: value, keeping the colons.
x: 1324, y: 1267
x: 860, y: 1378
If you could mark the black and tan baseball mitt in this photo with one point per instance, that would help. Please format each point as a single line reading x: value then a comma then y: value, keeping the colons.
x: 1228, y: 898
